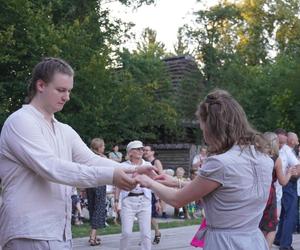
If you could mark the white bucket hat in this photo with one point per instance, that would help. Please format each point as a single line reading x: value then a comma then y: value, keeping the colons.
x: 134, y: 144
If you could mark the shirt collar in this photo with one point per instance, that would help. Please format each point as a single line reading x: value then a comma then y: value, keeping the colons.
x: 37, y: 112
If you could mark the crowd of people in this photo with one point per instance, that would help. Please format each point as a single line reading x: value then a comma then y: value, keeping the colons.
x: 104, y: 202
x: 245, y: 181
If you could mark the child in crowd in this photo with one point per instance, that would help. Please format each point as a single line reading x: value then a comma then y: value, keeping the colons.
x: 193, y: 206
x: 182, y: 212
x: 164, y: 215
x: 76, y: 208
x: 110, y: 204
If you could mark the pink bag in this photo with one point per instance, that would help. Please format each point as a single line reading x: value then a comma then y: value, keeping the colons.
x: 195, y: 241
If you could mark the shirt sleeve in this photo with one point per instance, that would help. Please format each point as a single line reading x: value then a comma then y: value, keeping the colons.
x: 196, y: 159
x: 292, y: 159
x: 213, y: 170
x: 83, y: 155
x: 23, y: 141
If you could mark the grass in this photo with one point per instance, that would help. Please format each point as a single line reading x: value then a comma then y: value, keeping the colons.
x: 84, y: 230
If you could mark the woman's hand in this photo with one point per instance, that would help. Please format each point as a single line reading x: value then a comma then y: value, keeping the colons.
x: 144, y: 180
x: 293, y: 171
x: 166, y: 180
x: 147, y: 170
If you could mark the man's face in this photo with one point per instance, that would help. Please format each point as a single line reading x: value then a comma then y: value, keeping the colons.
x: 136, y: 153
x: 56, y: 93
x: 282, y: 139
x: 295, y: 141
x: 147, y: 152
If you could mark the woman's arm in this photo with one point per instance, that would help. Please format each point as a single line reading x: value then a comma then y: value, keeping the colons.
x: 283, y: 178
x: 192, y: 191
x: 159, y: 166
x: 171, y: 181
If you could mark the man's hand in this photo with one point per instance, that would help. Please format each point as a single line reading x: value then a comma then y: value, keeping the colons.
x: 122, y: 180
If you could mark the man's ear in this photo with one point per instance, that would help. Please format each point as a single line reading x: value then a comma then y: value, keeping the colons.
x: 40, y: 85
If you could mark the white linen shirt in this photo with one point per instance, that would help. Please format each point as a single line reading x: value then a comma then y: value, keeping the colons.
x: 37, y: 162
x: 288, y: 159
x: 138, y: 189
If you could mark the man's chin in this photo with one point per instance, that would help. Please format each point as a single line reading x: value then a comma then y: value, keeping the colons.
x: 59, y: 108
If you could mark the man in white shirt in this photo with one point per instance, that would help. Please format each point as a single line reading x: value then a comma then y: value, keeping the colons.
x: 287, y: 222
x: 136, y: 203
x: 40, y: 160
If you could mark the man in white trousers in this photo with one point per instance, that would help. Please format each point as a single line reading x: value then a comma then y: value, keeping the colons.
x: 135, y: 203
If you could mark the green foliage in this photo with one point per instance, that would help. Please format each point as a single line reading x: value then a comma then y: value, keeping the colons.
x: 118, y: 105
x: 250, y: 48
x: 181, y: 47
x: 145, y: 87
x: 237, y: 44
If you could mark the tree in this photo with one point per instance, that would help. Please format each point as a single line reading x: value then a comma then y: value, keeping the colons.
x: 236, y: 45
x: 146, y: 91
x: 181, y: 47
x: 80, y: 32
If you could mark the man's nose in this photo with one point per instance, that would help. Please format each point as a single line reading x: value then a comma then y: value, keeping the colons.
x: 67, y: 96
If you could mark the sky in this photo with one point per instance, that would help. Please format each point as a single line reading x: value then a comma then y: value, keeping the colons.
x: 165, y: 17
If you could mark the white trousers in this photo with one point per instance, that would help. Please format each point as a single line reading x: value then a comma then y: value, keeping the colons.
x: 140, y: 207
x: 31, y: 244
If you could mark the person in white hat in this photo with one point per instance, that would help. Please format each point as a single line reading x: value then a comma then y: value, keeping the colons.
x: 135, y: 203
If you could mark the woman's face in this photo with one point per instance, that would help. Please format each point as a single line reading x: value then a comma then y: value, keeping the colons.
x: 101, y: 149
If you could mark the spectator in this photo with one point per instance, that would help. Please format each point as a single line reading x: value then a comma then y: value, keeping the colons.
x: 76, y: 208
x: 289, y: 200
x: 181, y: 212
x: 110, y: 204
x: 156, y: 203
x: 194, y: 205
x: 200, y: 158
x: 269, y: 220
x: 136, y: 203
x: 115, y: 154
x: 164, y: 215
x: 97, y: 198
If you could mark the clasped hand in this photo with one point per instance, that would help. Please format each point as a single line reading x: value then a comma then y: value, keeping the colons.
x: 122, y: 180
x: 164, y: 179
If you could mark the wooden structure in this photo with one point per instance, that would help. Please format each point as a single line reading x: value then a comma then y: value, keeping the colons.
x: 187, y: 85
x: 173, y: 156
